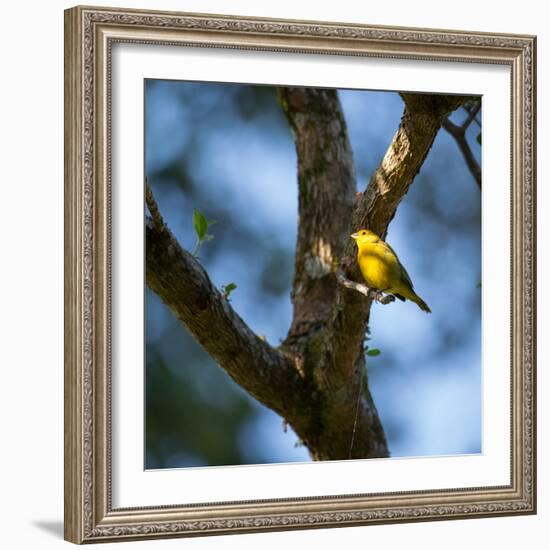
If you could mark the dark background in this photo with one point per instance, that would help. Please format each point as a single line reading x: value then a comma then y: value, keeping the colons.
x: 226, y: 150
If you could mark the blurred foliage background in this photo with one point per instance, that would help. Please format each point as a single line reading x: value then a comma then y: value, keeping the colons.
x: 226, y: 150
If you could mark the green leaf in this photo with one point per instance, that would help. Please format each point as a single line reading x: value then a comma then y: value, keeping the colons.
x: 478, y: 138
x: 373, y: 352
x: 200, y: 224
x: 228, y: 289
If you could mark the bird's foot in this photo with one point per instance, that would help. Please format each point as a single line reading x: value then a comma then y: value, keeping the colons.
x: 380, y: 297
x: 375, y: 295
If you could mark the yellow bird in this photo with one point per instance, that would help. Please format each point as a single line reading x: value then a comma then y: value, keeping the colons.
x: 382, y: 269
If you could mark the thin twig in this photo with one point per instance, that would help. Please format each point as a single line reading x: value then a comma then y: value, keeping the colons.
x: 152, y: 205
x: 360, y: 391
x: 459, y: 135
x: 371, y: 293
x: 472, y: 113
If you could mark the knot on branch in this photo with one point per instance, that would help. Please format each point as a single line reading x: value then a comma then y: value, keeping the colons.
x: 370, y: 293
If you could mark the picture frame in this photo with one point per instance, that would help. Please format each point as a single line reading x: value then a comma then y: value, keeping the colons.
x: 90, y: 35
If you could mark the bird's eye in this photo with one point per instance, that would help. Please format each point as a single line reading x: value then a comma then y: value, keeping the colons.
x: 363, y: 233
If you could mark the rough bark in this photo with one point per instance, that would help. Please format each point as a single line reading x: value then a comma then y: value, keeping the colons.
x: 327, y: 187
x: 278, y: 378
x: 184, y: 286
x: 317, y: 379
x: 326, y: 183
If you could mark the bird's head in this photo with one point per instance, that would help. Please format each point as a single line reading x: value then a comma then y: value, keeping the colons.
x: 364, y: 236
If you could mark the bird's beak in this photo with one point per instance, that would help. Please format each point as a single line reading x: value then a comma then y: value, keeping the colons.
x: 354, y: 235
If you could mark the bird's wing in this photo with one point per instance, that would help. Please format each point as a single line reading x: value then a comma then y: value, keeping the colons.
x: 404, y: 275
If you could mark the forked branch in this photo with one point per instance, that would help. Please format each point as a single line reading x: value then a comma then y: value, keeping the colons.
x: 458, y: 132
x: 316, y: 379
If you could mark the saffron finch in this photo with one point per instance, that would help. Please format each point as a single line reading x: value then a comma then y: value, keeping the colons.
x: 382, y: 269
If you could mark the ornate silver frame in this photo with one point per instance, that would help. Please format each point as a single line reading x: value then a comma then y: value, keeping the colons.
x: 89, y: 35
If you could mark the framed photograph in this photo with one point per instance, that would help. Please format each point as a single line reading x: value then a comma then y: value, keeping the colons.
x: 300, y: 274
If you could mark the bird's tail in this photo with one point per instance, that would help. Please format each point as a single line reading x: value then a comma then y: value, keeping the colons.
x: 420, y: 303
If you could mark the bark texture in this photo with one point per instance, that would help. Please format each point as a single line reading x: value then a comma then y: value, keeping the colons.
x: 317, y: 378
x: 182, y: 283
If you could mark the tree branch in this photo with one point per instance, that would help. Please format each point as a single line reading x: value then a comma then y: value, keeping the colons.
x: 472, y: 110
x: 422, y: 118
x: 459, y: 135
x: 152, y: 205
x: 326, y: 183
x: 315, y: 379
x: 364, y: 289
x: 183, y: 285
x: 279, y: 378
